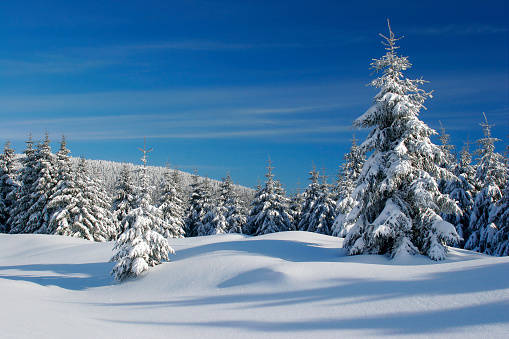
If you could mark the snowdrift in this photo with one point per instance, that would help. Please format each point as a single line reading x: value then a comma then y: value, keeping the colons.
x: 289, y: 284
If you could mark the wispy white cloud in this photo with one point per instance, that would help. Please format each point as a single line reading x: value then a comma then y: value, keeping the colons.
x: 454, y: 29
x: 254, y: 133
x: 193, y: 114
x: 204, y: 45
x: 130, y: 127
x: 326, y: 38
x: 288, y: 110
x: 242, y: 100
x: 59, y: 65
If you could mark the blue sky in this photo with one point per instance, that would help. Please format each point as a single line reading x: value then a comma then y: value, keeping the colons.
x: 221, y: 85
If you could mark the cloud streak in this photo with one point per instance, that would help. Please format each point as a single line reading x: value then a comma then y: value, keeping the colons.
x: 205, y: 45
x: 211, y: 127
x: 454, y: 29
x: 227, y: 113
x: 55, y: 65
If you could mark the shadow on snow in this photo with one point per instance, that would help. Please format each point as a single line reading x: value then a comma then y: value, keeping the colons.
x: 288, y: 250
x: 358, y: 291
x: 68, y: 276
x: 402, y: 323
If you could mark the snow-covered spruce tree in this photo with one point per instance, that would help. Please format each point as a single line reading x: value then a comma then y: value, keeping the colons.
x: 491, y: 173
x: 296, y: 201
x: 123, y: 201
x: 21, y: 196
x: 171, y: 205
x: 64, y: 178
x: 347, y: 178
x: 462, y: 191
x: 398, y: 198
x: 195, y: 212
x: 63, y: 162
x: 270, y: 209
x: 350, y: 170
x: 45, y: 175
x: 140, y: 245
x: 449, y: 160
x: 7, y: 184
x: 311, y: 194
x: 101, y: 209
x: 447, y: 148
x: 233, y: 206
x: 80, y: 208
x: 323, y: 213
x: 213, y: 220
x: 499, y: 217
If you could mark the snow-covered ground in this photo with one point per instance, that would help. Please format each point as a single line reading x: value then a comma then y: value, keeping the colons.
x: 289, y: 284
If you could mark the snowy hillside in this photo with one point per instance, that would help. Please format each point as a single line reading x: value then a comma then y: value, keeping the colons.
x: 289, y: 284
x: 109, y: 171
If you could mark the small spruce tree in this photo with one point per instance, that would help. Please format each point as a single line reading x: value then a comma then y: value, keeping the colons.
x: 270, y: 209
x: 140, y: 246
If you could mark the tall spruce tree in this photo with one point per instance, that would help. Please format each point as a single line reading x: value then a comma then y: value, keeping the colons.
x: 65, y: 178
x: 141, y: 245
x: 499, y: 217
x: 491, y: 173
x: 447, y: 148
x: 46, y: 172
x: 21, y: 196
x: 171, y: 204
x: 296, y: 201
x: 199, y: 197
x: 7, y: 184
x: 399, y: 203
x: 101, y: 206
x: 349, y: 172
x: 213, y: 220
x: 124, y: 200
x: 323, y: 214
x: 233, y: 206
x: 462, y: 190
x: 63, y: 162
x: 37, y: 180
x: 270, y: 209
x: 311, y: 194
x: 80, y: 208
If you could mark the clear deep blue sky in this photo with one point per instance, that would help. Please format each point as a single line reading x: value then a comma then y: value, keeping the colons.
x: 221, y: 85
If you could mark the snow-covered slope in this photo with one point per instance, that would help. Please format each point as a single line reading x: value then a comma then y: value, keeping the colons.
x: 289, y: 284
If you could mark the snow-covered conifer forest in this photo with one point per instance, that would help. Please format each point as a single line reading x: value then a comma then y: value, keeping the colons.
x: 298, y: 264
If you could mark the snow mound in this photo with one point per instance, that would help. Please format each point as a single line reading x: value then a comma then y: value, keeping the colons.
x: 288, y: 284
